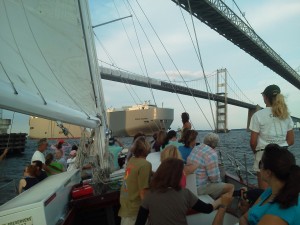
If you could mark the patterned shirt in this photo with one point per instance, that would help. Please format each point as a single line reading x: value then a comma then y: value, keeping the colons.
x: 208, y: 169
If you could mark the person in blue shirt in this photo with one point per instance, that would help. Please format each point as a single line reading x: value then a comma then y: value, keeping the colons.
x: 115, y: 150
x: 189, y: 141
x: 280, y: 203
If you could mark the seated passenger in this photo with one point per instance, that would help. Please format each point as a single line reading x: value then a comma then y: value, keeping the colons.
x: 41, y: 174
x: 29, y: 178
x: 280, y: 203
x: 171, y: 139
x: 161, y: 137
x: 54, y: 167
x: 189, y: 140
x: 172, y: 152
x: 167, y: 202
x: 59, y: 158
x: 208, y: 179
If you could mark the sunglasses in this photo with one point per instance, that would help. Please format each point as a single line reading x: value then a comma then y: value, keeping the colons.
x: 260, y: 165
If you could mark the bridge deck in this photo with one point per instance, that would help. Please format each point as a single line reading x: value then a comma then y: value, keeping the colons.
x: 218, y: 16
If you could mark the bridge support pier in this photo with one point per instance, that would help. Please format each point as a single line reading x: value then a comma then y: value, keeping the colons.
x: 221, y: 114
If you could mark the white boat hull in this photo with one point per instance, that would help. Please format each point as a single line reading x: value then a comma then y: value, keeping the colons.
x: 46, y: 203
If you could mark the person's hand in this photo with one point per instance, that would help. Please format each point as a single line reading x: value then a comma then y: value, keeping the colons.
x: 5, y: 151
x: 226, y: 199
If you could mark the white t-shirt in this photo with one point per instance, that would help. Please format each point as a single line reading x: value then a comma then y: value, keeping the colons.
x: 38, y: 156
x: 270, y: 128
x: 71, y: 164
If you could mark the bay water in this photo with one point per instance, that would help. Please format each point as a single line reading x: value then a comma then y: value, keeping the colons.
x: 234, y: 152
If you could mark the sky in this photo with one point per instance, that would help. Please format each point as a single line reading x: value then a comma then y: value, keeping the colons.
x: 275, y: 21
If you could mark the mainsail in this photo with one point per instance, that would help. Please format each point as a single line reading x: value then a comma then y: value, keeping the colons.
x: 48, y: 63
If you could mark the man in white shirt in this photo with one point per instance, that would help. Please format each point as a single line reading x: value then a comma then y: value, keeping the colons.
x: 39, y: 154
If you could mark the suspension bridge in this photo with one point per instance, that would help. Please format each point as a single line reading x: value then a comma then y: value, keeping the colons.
x: 195, y: 88
x: 218, y: 16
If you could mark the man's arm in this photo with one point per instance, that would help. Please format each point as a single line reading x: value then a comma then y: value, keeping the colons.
x: 4, y: 154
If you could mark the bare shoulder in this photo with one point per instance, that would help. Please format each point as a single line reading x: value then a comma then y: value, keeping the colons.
x: 272, y: 220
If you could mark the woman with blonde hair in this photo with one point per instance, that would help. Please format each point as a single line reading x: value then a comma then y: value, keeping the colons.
x: 272, y: 124
x: 170, y: 151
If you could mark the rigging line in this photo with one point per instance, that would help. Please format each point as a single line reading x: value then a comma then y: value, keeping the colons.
x: 12, y: 122
x: 197, y: 53
x: 114, y: 64
x: 201, y: 62
x: 38, y: 46
x: 140, y: 48
x: 173, y: 63
x: 129, y: 39
x: 239, y: 88
x: 12, y: 83
x: 159, y: 61
x: 19, y: 51
x: 106, y: 52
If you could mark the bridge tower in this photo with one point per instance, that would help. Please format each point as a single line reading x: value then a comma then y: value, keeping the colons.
x: 221, y: 114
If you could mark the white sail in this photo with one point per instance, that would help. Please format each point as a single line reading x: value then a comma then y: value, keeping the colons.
x: 48, y: 61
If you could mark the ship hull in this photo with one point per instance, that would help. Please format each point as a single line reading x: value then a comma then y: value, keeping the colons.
x: 148, y: 121
x: 43, y: 128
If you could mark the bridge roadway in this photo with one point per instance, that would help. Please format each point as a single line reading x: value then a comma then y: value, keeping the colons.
x: 123, y: 77
x: 218, y: 16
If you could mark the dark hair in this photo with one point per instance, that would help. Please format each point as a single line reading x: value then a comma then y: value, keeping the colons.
x: 282, y: 164
x: 185, y: 117
x: 49, y: 158
x: 59, y: 145
x: 32, y: 170
x: 189, y: 137
x: 141, y: 147
x: 183, y: 135
x: 74, y: 147
x: 38, y: 164
x: 170, y: 135
x: 168, y: 175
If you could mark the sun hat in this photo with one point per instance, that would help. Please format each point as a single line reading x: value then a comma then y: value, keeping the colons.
x: 271, y: 90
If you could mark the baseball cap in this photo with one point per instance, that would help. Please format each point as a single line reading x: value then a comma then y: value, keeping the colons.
x: 271, y: 90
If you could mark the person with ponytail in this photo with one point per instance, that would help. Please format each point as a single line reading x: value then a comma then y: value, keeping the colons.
x: 280, y: 203
x: 272, y: 124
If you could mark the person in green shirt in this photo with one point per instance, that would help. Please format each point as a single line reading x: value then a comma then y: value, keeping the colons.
x: 54, y: 167
x: 136, y: 182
